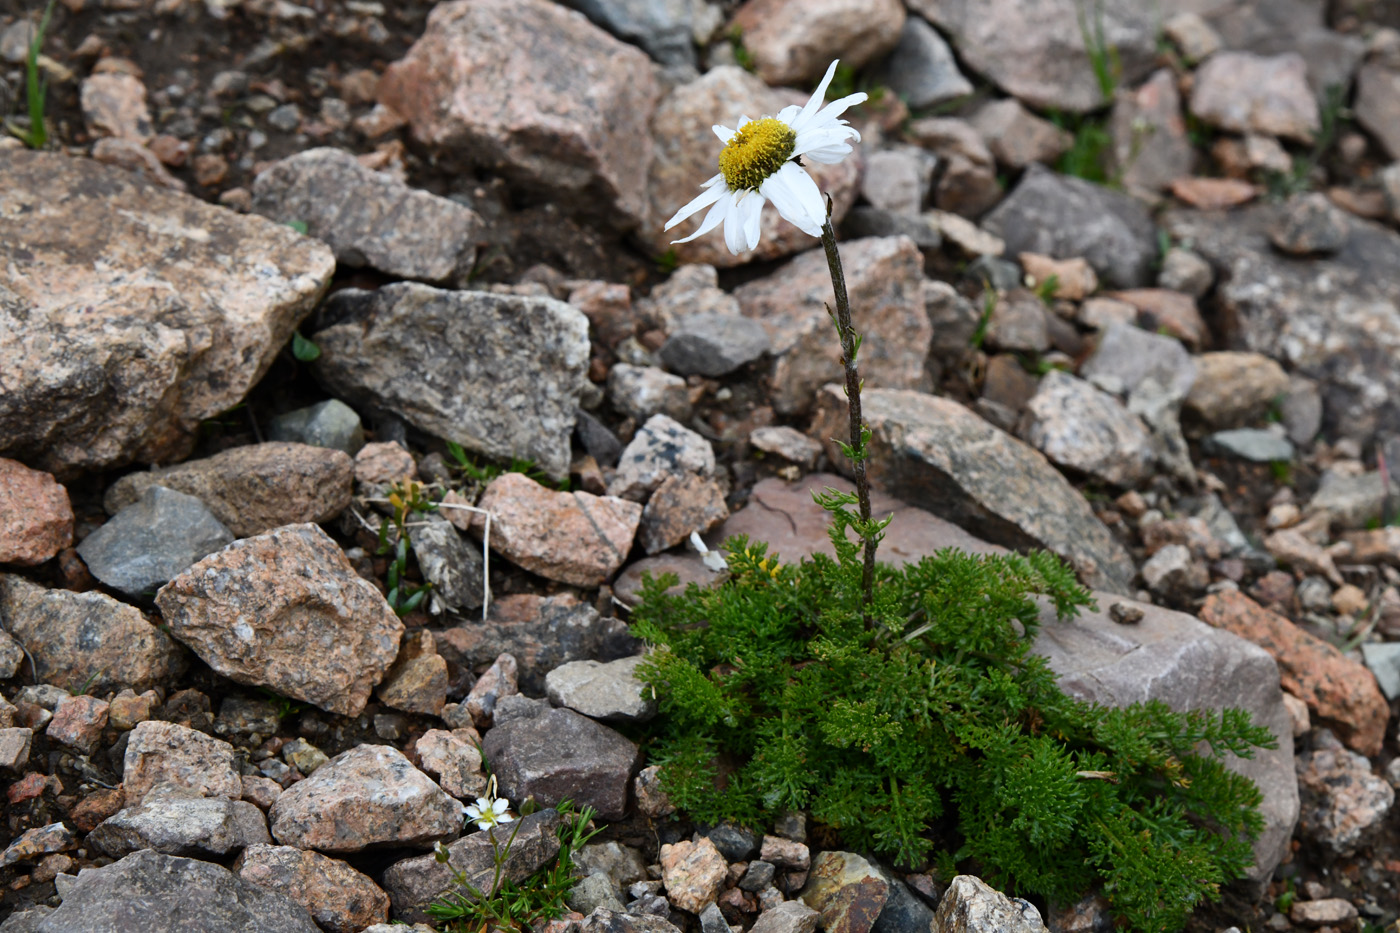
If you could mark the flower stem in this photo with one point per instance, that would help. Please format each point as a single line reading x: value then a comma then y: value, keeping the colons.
x: 859, y: 433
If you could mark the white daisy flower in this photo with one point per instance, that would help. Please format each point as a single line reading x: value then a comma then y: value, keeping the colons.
x: 762, y: 161
x: 487, y: 812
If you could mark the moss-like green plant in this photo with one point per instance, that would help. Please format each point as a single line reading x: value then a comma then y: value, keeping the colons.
x: 931, y: 731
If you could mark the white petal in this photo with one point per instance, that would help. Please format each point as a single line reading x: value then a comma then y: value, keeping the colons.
x: 735, y: 223
x: 722, y: 209
x: 789, y: 113
x: 724, y: 133
x: 753, y: 217
x: 837, y: 107
x: 500, y: 806
x: 827, y: 155
x: 815, y: 101
x: 819, y: 139
x: 797, y: 198
x: 704, y: 199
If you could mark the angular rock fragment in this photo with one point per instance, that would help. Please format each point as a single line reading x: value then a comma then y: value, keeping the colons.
x: 339, y: 898
x: 150, y: 542
x: 36, y: 519
x: 177, y: 821
x: 608, y: 691
x: 165, y: 753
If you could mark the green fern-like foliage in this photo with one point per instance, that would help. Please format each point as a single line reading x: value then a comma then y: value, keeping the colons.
x: 922, y: 728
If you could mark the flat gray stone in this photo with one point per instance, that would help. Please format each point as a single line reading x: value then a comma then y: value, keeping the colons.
x: 1255, y: 444
x: 158, y: 893
x: 1383, y: 660
x: 517, y: 365
x: 1174, y: 657
x: 1127, y: 356
x: 369, y: 218
x: 663, y: 28
x: 152, y: 541
x: 662, y: 448
x: 934, y: 453
x: 176, y: 821
x: 712, y: 345
x: 608, y: 691
x: 1085, y: 429
x: 1064, y: 217
x: 452, y: 565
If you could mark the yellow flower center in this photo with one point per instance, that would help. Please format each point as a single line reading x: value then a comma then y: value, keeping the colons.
x: 757, y: 151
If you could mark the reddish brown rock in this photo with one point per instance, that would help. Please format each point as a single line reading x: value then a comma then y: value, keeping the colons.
x: 884, y: 278
x: 97, y: 806
x: 573, y: 537
x: 384, y: 462
x: 681, y: 505
x: 115, y: 105
x: 1341, y: 693
x: 254, y: 488
x: 693, y: 873
x: 36, y: 520
x: 683, y: 160
x: 78, y: 722
x: 535, y: 92
x: 847, y: 890
x: 367, y: 796
x: 453, y: 760
x: 793, y: 41
x: 166, y: 753
x: 417, y: 683
x: 135, y: 312
x: 87, y: 640
x: 1160, y: 309
x: 287, y: 611
x: 1213, y: 193
x: 339, y: 898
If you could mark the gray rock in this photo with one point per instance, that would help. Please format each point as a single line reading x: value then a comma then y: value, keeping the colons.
x: 967, y: 184
x: 1330, y: 319
x: 1344, y: 804
x: 1175, y: 658
x: 933, y: 452
x: 642, y: 391
x: 867, y: 221
x: 595, y: 891
x: 518, y: 365
x: 611, y: 692
x: 414, y: 883
x: 1349, y: 501
x: 1174, y: 574
x: 1088, y: 430
x: 921, y: 69
x: 1310, y: 223
x: 884, y: 279
x: 660, y: 449
x: 787, y: 917
x: 560, y: 754
x: 166, y: 894
x: 600, y: 443
x: 757, y: 876
x: 1065, y: 217
x: 553, y: 632
x: 152, y: 541
x: 369, y: 218
x: 453, y: 566
x: 735, y: 843
x: 952, y: 317
x: 1302, y: 411
x: 623, y: 865
x: 12, y: 655
x: 176, y: 821
x: 1254, y: 444
x: 87, y: 640
x: 897, y: 179
x: 970, y: 905
x: 663, y: 28
x: 1035, y: 49
x: 1378, y: 104
x: 369, y: 796
x: 713, y: 344
x: 1383, y: 660
x: 1183, y: 270
x: 789, y: 443
x: 129, y: 313
x: 1018, y: 323
x: 607, y: 921
x: 331, y: 423
x: 903, y: 912
x: 28, y: 920
x: 1127, y: 355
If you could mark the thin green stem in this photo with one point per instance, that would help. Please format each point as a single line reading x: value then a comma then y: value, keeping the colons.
x: 849, y: 344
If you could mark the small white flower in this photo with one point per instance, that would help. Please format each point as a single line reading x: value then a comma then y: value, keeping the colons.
x: 762, y: 161
x: 487, y: 812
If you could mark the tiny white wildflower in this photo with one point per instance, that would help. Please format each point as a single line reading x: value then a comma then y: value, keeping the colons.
x: 487, y: 812
x: 762, y: 161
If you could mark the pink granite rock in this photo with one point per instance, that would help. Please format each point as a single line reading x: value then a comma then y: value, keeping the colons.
x: 339, y: 898
x: 36, y: 520
x: 166, y: 753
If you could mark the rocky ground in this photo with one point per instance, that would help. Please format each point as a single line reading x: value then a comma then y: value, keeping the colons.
x: 1129, y: 279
